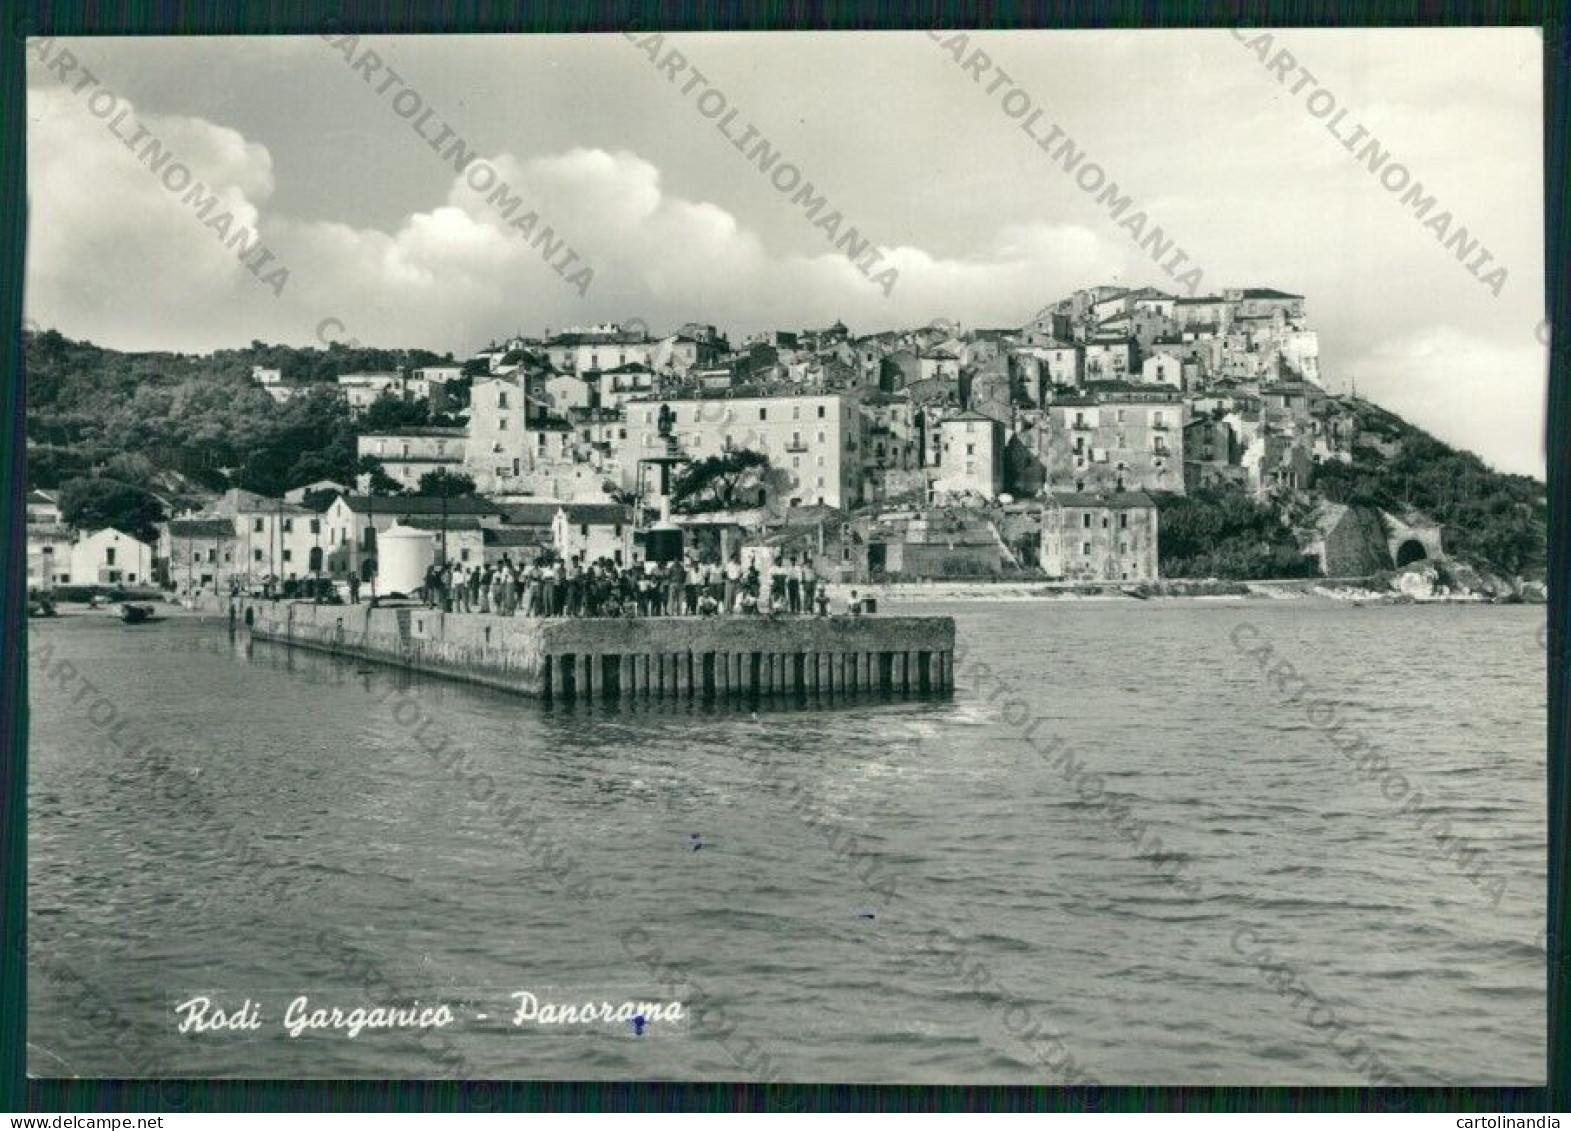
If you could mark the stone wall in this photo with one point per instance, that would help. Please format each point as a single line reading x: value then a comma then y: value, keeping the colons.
x: 594, y: 657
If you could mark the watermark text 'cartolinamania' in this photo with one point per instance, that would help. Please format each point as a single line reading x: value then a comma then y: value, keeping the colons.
x: 1368, y: 152
x: 1090, y: 177
x: 481, y: 176
x: 150, y: 150
x: 753, y: 145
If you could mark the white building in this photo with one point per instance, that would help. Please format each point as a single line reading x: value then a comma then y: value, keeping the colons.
x: 592, y: 531
x: 1163, y: 369
x: 606, y: 346
x: 408, y: 454
x: 814, y: 440
x: 971, y: 459
x: 109, y: 557
x: 273, y: 383
x: 508, y: 440
x: 362, y: 390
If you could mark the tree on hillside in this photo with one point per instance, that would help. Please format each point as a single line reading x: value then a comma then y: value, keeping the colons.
x: 721, y: 482
x: 381, y: 483
x: 443, y: 484
x: 388, y: 412
x: 93, y: 504
x: 1222, y: 532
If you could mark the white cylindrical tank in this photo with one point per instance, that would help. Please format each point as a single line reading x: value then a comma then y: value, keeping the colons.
x: 403, y: 555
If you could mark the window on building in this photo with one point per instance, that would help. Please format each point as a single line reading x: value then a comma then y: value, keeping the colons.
x: 289, y: 555
x: 256, y: 555
x: 501, y: 400
x: 1123, y: 520
x: 256, y: 525
x: 763, y: 414
x: 1085, y: 549
x: 501, y: 424
x: 1085, y: 520
x: 109, y: 556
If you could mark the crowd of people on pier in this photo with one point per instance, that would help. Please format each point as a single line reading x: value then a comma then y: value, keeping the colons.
x: 551, y: 587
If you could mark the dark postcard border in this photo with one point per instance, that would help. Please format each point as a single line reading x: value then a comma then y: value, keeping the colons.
x: 215, y: 17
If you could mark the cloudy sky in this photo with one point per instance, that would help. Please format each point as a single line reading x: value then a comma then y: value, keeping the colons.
x: 382, y: 235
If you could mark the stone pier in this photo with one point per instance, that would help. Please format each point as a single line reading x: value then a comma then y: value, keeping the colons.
x: 647, y: 657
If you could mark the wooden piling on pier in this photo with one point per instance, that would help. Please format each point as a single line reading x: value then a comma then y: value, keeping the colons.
x: 569, y: 659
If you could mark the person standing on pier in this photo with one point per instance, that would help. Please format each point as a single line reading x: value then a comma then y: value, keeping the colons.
x: 673, y: 592
x: 532, y: 591
x: 809, y: 585
x: 777, y: 585
x: 558, y: 588
x: 354, y: 588
x: 793, y: 587
x: 733, y: 583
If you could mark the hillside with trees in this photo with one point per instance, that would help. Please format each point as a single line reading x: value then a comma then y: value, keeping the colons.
x: 110, y: 429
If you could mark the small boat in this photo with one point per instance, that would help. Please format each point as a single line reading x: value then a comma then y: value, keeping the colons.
x: 136, y: 614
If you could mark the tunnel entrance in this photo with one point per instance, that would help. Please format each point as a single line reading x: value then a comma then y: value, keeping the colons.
x: 1409, y: 552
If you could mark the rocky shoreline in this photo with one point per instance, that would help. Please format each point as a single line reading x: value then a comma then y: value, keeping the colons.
x: 1423, y: 583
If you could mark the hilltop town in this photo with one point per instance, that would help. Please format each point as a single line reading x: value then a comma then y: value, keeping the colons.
x: 1120, y: 436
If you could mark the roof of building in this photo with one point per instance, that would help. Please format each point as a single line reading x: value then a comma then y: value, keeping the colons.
x: 599, y: 514
x: 424, y: 431
x: 401, y: 505
x: 601, y: 338
x: 239, y: 501
x: 1112, y: 500
x: 201, y: 528
x: 516, y: 536
x: 36, y: 497
x: 1266, y: 292
x: 544, y: 513
x: 453, y: 523
x: 969, y: 416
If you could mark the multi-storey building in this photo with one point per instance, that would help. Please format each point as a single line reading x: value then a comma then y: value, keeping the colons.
x: 408, y: 454
x: 1119, y: 437
x: 510, y: 438
x: 892, y: 449
x: 971, y: 459
x: 815, y: 440
x: 198, y: 553
x: 272, y: 538
x: 111, y: 557
x: 1109, y: 359
x: 1100, y: 537
x: 362, y: 390
x: 601, y: 347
